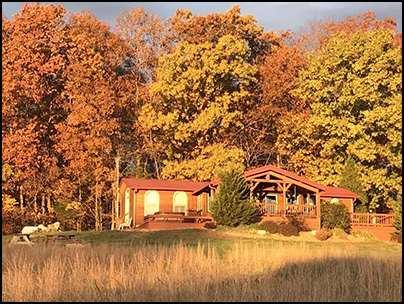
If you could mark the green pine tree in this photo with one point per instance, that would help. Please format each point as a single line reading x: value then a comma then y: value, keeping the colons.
x: 350, y: 180
x: 398, y: 209
x: 232, y: 205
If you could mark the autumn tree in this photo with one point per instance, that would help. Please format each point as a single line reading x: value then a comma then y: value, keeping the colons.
x: 204, y: 82
x: 279, y: 76
x: 202, y: 91
x: 315, y: 34
x: 196, y: 29
x: 99, y: 110
x: 145, y: 36
x: 34, y: 47
x: 353, y: 87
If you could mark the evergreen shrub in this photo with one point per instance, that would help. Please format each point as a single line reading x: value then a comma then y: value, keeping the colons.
x: 335, y: 215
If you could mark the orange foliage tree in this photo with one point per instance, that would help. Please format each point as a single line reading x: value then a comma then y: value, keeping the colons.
x: 99, y: 110
x: 34, y: 57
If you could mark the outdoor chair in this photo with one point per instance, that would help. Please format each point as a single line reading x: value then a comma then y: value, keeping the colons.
x: 126, y: 224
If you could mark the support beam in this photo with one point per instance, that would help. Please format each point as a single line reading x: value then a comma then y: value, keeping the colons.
x: 284, y: 196
x: 318, y: 208
x: 261, y: 180
x: 297, y: 183
x: 254, y: 186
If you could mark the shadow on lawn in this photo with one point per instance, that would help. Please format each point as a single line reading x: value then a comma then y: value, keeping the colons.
x: 325, y: 280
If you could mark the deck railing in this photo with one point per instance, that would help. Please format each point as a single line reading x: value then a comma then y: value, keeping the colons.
x: 306, y: 210
x: 177, y: 216
x: 372, y: 219
x: 272, y: 209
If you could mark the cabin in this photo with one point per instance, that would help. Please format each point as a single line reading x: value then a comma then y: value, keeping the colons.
x: 278, y: 194
x: 140, y: 198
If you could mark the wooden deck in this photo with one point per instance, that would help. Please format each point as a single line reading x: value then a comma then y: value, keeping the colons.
x: 174, y: 221
x: 381, y: 225
x: 372, y: 219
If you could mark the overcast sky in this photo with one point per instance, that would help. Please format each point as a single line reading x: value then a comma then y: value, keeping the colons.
x: 272, y: 15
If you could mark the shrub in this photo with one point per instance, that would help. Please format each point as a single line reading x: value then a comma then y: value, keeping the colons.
x: 210, y: 225
x: 396, y: 238
x: 335, y: 215
x: 298, y: 222
x: 322, y: 235
x: 397, y: 208
x: 231, y: 205
x: 338, y: 232
x: 364, y: 234
x: 287, y: 229
x: 269, y: 226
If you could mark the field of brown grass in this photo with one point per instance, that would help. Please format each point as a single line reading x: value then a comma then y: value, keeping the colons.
x: 272, y: 271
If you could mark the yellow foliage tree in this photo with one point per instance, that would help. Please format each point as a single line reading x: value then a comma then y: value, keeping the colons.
x: 202, y: 92
x: 353, y: 87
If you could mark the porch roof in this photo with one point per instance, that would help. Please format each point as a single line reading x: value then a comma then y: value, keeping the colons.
x: 213, y: 183
x: 291, y: 175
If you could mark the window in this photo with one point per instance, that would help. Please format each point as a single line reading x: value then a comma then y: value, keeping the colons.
x: 151, y: 202
x: 127, y: 204
x: 208, y: 202
x: 180, y: 201
x: 311, y: 202
x: 335, y: 200
x: 199, y: 200
x: 272, y: 199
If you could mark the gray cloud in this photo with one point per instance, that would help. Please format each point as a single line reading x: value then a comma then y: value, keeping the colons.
x: 272, y: 15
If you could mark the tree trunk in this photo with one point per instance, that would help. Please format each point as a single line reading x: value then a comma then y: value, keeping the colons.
x: 43, y: 204
x: 35, y: 205
x: 157, y: 168
x: 48, y: 203
x: 98, y: 210
x: 78, y: 225
x: 97, y: 219
x: 21, y: 199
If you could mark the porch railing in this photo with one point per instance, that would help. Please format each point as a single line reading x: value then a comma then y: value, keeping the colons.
x: 306, y: 210
x: 372, y: 219
x: 271, y: 209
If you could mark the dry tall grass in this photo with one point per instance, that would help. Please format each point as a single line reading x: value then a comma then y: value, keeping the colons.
x: 149, y: 273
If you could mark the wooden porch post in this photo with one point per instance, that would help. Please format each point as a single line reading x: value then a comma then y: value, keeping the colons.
x: 318, y: 208
x: 284, y: 197
x: 308, y: 203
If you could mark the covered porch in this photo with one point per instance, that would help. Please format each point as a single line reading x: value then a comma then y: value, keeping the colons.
x: 279, y: 193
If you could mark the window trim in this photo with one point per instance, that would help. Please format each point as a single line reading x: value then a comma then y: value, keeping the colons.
x: 176, y: 193
x: 146, y: 203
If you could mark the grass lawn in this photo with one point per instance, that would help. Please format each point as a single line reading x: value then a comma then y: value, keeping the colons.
x: 222, y: 239
x: 202, y: 265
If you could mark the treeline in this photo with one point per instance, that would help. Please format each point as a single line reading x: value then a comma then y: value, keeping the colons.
x: 183, y: 97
